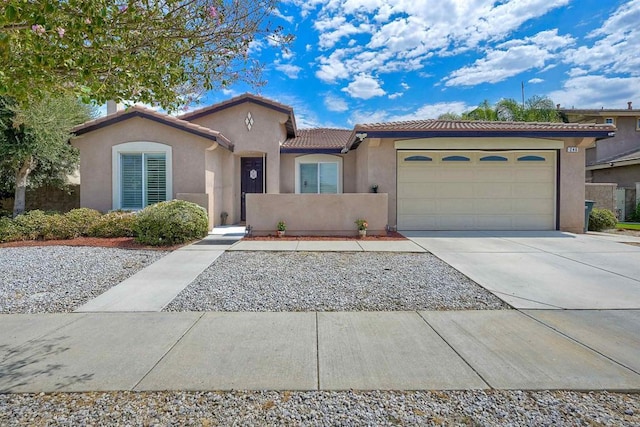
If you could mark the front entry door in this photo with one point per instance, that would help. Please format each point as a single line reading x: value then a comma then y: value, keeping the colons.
x: 251, y: 181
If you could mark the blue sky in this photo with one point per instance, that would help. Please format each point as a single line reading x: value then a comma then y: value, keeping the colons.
x: 363, y: 61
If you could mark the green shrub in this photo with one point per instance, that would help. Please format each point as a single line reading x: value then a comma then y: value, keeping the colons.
x: 635, y: 215
x: 31, y: 225
x: 8, y: 230
x: 601, y: 219
x: 172, y: 222
x: 114, y: 224
x: 58, y: 227
x: 81, y: 220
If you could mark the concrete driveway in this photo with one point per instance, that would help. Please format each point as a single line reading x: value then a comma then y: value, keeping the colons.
x: 543, y: 270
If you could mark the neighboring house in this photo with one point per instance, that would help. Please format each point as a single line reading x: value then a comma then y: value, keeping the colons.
x: 617, y: 159
x: 246, y: 157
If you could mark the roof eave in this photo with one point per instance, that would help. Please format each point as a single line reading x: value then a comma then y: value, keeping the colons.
x: 117, y: 118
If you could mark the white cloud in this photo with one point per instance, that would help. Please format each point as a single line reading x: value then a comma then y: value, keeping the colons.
x: 405, y: 86
x: 425, y: 112
x: 535, y: 81
x: 290, y: 70
x: 596, y: 91
x: 404, y: 34
x: 616, y: 46
x: 395, y: 95
x: 334, y: 103
x: 511, y: 58
x: 364, y: 86
x: 279, y: 14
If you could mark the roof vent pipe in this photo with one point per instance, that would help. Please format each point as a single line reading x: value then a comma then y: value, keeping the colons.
x: 629, y: 105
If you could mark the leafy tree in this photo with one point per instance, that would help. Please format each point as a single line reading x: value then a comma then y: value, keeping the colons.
x: 34, y: 142
x: 449, y: 115
x: 484, y: 112
x: 535, y: 109
x: 132, y: 50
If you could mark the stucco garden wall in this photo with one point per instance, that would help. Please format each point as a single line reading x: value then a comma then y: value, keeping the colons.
x: 603, y: 194
x: 317, y: 214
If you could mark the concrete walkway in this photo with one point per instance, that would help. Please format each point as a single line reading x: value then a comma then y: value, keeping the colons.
x: 329, y: 245
x: 155, y: 286
x: 505, y: 349
x: 544, y: 270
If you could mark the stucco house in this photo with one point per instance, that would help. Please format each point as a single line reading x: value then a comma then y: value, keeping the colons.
x: 246, y: 157
x: 616, y: 159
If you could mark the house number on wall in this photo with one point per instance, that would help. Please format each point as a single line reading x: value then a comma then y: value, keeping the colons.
x: 572, y: 149
x: 253, y: 174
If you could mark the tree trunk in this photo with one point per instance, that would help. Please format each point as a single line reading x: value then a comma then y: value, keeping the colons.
x: 21, y: 185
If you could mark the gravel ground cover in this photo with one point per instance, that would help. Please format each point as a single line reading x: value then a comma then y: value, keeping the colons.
x: 54, y: 279
x: 466, y: 408
x: 331, y: 281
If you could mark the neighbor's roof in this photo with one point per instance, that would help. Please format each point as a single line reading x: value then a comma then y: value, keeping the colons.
x: 624, y: 159
x: 599, y: 112
x: 316, y: 139
x: 464, y: 128
x: 290, y: 124
x: 146, y: 113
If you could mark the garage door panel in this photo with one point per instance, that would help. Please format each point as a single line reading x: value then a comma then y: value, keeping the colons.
x: 490, y: 194
x: 491, y: 206
x: 417, y: 190
x: 454, y: 190
x: 417, y: 206
x: 424, y: 174
x: 532, y: 206
x: 494, y: 175
x: 455, y: 173
x: 491, y: 190
x: 532, y: 190
x: 543, y: 175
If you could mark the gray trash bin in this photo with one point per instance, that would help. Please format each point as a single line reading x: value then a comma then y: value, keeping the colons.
x: 588, y: 207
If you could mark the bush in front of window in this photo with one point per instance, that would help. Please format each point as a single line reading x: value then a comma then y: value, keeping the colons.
x: 170, y: 223
x: 601, y: 219
x: 114, y: 224
x: 8, y: 231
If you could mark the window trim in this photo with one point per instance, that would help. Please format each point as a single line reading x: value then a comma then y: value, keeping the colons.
x: 637, y: 123
x: 613, y: 121
x: 138, y: 147
x: 317, y: 158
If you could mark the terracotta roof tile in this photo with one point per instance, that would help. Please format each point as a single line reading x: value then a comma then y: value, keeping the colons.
x: 140, y: 111
x: 318, y: 138
x: 462, y: 125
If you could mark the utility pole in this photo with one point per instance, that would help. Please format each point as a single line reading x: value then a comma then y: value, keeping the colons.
x: 523, y: 94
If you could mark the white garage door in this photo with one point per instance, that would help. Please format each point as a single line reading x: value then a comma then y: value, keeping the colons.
x: 476, y: 190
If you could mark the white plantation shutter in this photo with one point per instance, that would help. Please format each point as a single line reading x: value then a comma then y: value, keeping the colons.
x: 131, y: 186
x: 143, y: 179
x: 156, y: 178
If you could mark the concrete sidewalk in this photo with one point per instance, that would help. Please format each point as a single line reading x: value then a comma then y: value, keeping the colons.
x: 505, y: 349
x: 155, y: 286
x: 328, y: 246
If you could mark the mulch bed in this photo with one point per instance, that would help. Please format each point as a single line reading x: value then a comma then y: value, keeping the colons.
x: 116, y: 242
x: 391, y: 235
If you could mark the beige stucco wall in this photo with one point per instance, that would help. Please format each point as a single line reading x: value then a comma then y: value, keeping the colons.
x: 263, y: 140
x: 316, y: 214
x: 189, y: 154
x: 572, y: 186
x: 603, y: 194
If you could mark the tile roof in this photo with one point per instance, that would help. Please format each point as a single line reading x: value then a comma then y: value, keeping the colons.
x: 147, y: 113
x: 246, y: 97
x: 318, y: 138
x: 461, y: 125
x: 471, y: 129
x: 623, y: 157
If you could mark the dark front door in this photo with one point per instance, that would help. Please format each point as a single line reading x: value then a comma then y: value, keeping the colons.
x: 251, y: 181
